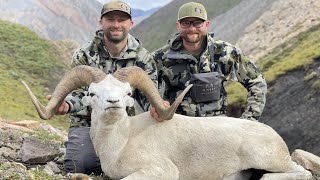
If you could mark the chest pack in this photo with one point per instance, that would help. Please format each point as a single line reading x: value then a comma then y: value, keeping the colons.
x: 206, y: 86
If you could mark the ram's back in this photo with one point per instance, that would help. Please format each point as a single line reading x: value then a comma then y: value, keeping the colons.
x: 196, y: 145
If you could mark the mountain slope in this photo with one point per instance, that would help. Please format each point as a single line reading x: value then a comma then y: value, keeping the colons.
x: 292, y: 108
x: 284, y: 20
x: 293, y: 100
x: 138, y: 15
x: 230, y: 25
x: 25, y: 56
x: 61, y: 19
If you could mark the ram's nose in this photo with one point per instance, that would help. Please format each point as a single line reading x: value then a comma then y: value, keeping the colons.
x: 112, y: 101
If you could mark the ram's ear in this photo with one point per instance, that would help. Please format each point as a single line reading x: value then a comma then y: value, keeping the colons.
x: 86, y: 100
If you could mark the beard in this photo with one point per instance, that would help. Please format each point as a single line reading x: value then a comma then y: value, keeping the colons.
x: 191, y: 37
x: 115, y: 38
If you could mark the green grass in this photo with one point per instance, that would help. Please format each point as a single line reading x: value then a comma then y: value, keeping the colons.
x: 25, y: 56
x: 294, y: 54
x: 7, y: 175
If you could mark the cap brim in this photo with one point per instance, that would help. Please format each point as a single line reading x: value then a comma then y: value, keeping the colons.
x: 191, y: 17
x: 116, y: 10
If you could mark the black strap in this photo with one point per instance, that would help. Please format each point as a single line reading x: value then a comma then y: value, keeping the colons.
x: 211, y: 52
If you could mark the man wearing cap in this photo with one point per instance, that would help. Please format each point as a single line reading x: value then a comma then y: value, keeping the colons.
x: 111, y: 48
x: 194, y: 57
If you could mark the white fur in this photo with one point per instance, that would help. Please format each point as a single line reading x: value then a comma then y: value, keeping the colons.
x: 184, y: 147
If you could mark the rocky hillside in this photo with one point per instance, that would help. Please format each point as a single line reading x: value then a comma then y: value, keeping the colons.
x: 283, y: 20
x: 292, y: 74
x: 55, y: 20
x: 230, y: 26
x: 60, y: 19
x: 32, y: 150
x: 293, y: 108
x: 39, y: 62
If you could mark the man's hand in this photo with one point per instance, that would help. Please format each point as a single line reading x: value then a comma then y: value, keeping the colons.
x: 63, y: 109
x: 155, y: 115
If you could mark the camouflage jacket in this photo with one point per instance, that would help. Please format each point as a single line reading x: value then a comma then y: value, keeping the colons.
x: 95, y: 54
x: 175, y: 66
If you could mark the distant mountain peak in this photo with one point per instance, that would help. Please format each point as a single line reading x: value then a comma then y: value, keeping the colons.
x: 60, y: 19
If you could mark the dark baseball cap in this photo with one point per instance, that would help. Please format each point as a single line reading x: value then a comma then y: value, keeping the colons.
x: 116, y: 5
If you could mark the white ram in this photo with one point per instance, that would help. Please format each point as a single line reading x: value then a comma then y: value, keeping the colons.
x: 182, y: 147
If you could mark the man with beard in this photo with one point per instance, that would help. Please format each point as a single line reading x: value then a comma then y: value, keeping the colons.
x: 193, y: 57
x: 112, y: 48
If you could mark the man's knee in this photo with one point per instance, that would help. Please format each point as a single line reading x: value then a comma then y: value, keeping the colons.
x: 80, y: 155
x: 85, y: 165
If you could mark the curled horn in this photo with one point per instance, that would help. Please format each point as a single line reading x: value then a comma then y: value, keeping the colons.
x: 77, y: 77
x: 139, y: 79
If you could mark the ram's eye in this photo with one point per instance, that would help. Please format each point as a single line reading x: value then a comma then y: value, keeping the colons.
x: 92, y: 94
x: 129, y: 94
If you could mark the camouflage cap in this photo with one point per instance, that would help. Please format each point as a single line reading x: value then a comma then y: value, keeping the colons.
x: 116, y: 5
x: 192, y: 9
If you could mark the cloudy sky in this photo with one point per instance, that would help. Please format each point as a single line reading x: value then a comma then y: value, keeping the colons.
x: 142, y: 4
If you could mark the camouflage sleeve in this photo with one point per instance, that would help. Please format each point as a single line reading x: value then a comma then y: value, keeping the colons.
x: 147, y: 63
x: 79, y: 58
x: 252, y: 79
x: 157, y: 56
x: 74, y: 98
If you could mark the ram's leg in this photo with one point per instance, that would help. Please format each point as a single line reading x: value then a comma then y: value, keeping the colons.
x: 163, y: 169
x: 295, y: 173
